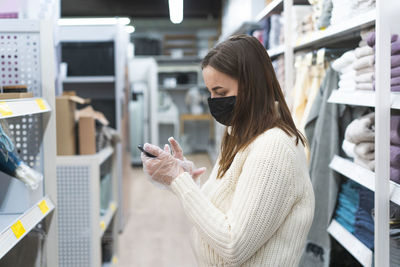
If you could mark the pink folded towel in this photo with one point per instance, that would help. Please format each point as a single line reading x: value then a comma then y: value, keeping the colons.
x: 395, y: 156
x: 395, y: 175
x: 395, y: 130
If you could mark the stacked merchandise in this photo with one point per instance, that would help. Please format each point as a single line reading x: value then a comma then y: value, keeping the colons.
x: 270, y: 33
x: 359, y: 143
x: 299, y: 12
x: 309, y: 75
x: 279, y: 67
x: 395, y: 60
x: 348, y: 202
x: 343, y: 10
x: 344, y: 65
x: 364, y: 224
x: 356, y: 67
x: 395, y: 148
x: 324, y: 18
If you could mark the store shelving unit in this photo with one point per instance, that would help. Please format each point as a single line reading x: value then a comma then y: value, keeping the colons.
x: 82, y: 226
x: 89, y: 79
x: 109, y: 96
x: 362, y: 253
x: 361, y: 98
x: 276, y: 51
x: 386, y: 19
x: 362, y: 176
x: 334, y: 33
x: 30, y: 122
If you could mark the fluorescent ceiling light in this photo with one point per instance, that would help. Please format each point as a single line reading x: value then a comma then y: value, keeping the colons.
x: 93, y: 21
x: 175, y: 11
x: 130, y: 29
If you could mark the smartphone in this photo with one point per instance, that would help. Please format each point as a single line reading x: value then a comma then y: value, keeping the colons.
x: 145, y: 152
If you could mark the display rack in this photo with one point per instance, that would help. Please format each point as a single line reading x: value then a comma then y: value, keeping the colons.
x: 109, y: 97
x: 361, y: 98
x: 386, y: 19
x: 82, y: 226
x: 30, y: 122
x: 356, y: 248
x: 276, y: 51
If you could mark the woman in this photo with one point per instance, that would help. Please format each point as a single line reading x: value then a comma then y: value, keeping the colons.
x: 257, y: 206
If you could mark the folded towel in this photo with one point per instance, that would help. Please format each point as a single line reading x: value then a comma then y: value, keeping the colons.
x: 348, y: 148
x: 365, y: 150
x: 395, y: 47
x: 395, y: 61
x: 395, y: 175
x: 363, y: 51
x: 363, y: 62
x: 372, y: 36
x: 395, y: 81
x: 395, y: 156
x: 364, y: 78
x: 347, y: 83
x: 361, y: 130
x: 395, y: 130
x: 395, y: 88
x: 367, y: 164
x: 347, y: 88
x: 345, y: 60
x: 395, y: 72
x: 365, y: 70
x: 348, y: 75
x: 365, y: 86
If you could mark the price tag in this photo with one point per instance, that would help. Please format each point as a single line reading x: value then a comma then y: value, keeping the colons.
x: 43, y: 207
x: 321, y: 56
x: 41, y: 104
x: 18, y: 229
x: 102, y: 225
x: 113, y: 207
x: 5, y: 109
x: 114, y: 260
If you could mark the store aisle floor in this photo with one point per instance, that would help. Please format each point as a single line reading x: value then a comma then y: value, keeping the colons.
x: 156, y: 231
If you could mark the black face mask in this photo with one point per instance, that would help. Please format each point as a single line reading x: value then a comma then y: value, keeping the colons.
x: 221, y: 109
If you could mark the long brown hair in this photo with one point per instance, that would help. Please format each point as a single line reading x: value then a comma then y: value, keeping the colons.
x: 244, y: 58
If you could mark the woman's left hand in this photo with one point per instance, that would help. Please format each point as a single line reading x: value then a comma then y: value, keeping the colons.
x: 164, y: 168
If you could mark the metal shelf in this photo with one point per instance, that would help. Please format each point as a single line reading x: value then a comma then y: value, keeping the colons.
x: 333, y: 33
x: 97, y: 158
x: 361, y: 98
x: 276, y: 5
x: 15, y: 227
x: 276, y: 51
x: 362, y: 176
x: 22, y: 107
x: 89, y: 79
x: 106, y: 218
x: 356, y: 248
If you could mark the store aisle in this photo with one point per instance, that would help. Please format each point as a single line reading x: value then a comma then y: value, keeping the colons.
x: 157, y: 231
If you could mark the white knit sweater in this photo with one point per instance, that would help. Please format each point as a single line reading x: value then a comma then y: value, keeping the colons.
x: 259, y: 213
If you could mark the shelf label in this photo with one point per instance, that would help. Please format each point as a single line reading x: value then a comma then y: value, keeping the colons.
x: 102, y: 225
x: 5, y: 109
x: 115, y: 260
x: 44, y: 208
x: 41, y: 104
x: 18, y: 229
x: 113, y: 207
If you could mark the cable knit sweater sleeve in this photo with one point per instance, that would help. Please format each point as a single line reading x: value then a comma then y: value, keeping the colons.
x: 263, y: 197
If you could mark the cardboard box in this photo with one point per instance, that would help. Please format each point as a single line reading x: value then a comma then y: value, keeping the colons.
x: 66, y: 124
x: 87, y: 136
x: 87, y: 118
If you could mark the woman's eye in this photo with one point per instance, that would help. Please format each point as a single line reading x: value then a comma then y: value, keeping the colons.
x: 221, y: 94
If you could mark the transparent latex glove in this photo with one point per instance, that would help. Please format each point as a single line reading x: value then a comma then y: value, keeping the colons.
x: 162, y: 169
x: 187, y: 165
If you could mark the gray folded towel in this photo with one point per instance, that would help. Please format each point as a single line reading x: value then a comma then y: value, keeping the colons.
x: 365, y: 150
x: 361, y: 130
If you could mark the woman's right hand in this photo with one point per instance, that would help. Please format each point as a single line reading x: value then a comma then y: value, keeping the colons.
x: 187, y: 165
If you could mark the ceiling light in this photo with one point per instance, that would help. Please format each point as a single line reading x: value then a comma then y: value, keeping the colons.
x: 175, y: 11
x: 130, y: 29
x: 93, y: 21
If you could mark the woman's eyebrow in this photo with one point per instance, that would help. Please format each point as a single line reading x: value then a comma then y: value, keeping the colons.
x: 216, y: 88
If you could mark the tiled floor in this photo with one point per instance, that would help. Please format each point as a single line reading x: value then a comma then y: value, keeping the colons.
x: 156, y: 232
